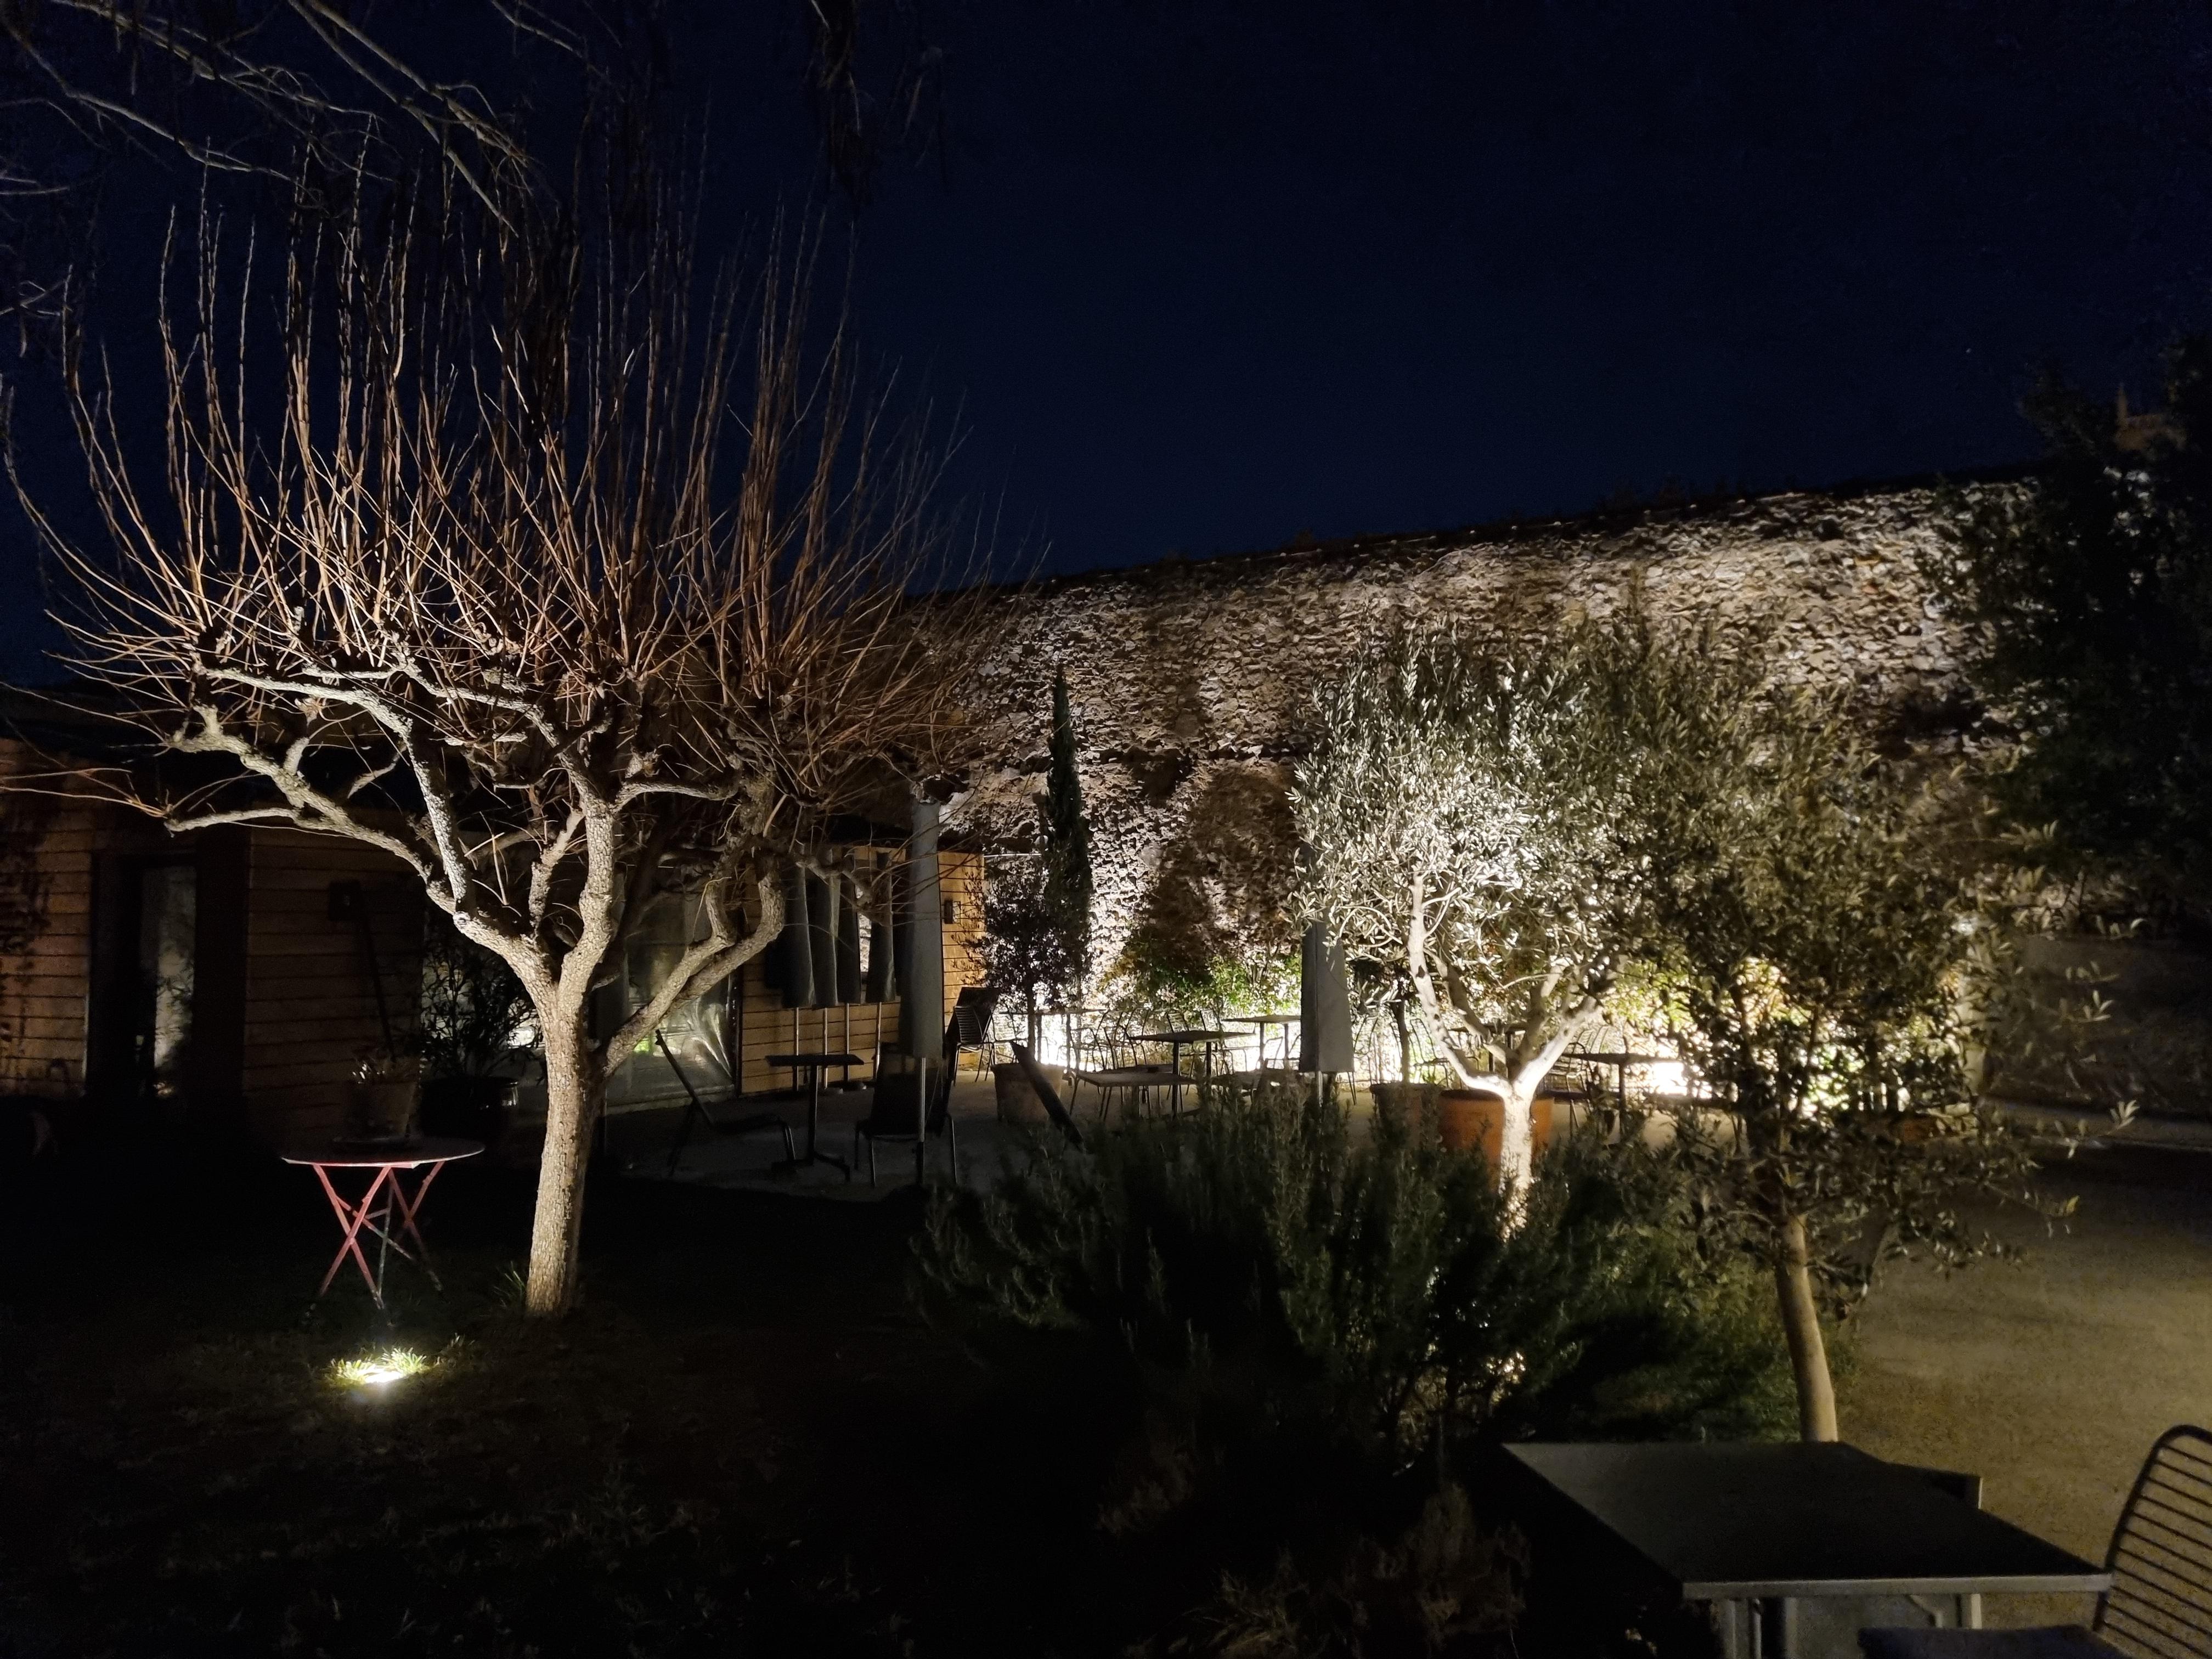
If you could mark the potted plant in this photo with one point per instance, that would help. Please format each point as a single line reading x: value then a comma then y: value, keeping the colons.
x: 1025, y: 959
x: 384, y: 1093
x: 476, y: 1024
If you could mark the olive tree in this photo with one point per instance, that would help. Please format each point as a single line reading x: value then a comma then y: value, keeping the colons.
x: 504, y: 544
x: 1464, y: 811
x: 1612, y: 824
x: 1825, y: 945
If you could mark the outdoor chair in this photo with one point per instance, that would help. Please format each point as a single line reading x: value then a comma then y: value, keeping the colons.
x: 695, y: 1109
x: 912, y: 1101
x: 2159, y: 1606
x: 971, y: 1026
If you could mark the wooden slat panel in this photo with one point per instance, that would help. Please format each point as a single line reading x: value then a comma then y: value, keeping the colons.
x: 274, y: 1016
x: 319, y: 1073
x: 39, y: 1055
x: 282, y: 942
x: 15, y: 981
x: 30, y: 1028
x: 272, y: 1040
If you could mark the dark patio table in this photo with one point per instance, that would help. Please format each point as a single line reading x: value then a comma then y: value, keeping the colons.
x: 390, y: 1219
x: 1178, y: 1042
x: 1798, y: 1545
x: 811, y: 1066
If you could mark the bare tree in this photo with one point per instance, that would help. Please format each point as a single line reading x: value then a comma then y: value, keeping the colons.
x: 510, y: 548
x: 94, y: 91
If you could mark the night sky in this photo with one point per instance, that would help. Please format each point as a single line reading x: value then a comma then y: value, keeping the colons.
x: 1207, y: 277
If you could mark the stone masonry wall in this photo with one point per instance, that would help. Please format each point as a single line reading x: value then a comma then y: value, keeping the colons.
x: 1190, y: 680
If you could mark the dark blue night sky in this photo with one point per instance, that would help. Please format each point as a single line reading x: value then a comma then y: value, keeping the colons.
x: 1206, y: 277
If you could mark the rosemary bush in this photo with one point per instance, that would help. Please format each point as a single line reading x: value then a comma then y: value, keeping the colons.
x: 1259, y: 1247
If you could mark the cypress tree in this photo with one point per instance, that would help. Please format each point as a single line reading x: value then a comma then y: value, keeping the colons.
x: 1068, y: 887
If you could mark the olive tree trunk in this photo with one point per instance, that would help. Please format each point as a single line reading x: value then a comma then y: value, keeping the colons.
x: 576, y: 1094
x: 1801, y: 1327
x: 1516, y: 1138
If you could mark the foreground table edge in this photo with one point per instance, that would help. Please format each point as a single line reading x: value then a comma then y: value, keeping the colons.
x: 2091, y: 1580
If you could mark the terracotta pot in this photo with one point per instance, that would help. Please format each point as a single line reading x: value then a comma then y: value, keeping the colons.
x: 382, y: 1111
x: 1468, y: 1119
x: 1017, y: 1101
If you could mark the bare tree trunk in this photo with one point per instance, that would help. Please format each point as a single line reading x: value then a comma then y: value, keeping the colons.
x: 575, y: 1094
x: 1801, y: 1325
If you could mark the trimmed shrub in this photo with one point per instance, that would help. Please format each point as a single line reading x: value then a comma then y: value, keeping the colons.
x: 1298, y: 1340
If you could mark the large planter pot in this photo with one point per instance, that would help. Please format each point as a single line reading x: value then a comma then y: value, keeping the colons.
x: 382, y: 1111
x: 468, y: 1107
x: 1474, y: 1120
x: 1017, y: 1101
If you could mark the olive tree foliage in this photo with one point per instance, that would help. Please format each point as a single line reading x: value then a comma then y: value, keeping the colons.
x: 513, y: 546
x: 1827, y: 948
x: 1464, y: 810
x: 1614, y: 823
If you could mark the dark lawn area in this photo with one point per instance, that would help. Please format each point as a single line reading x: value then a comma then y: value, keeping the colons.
x: 746, y: 1441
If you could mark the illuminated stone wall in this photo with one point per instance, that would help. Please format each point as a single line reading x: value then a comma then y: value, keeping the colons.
x: 1189, y: 679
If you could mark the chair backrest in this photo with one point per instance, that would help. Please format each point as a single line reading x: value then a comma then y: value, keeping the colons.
x: 896, y: 1107
x: 967, y: 1028
x: 2160, y: 1602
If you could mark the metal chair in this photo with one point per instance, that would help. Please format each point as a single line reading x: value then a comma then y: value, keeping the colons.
x: 909, y: 1105
x: 695, y: 1109
x: 2160, y: 1602
x: 2159, y: 1606
x: 971, y: 1026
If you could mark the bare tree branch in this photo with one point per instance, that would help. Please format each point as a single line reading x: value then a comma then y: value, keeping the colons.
x: 480, y: 567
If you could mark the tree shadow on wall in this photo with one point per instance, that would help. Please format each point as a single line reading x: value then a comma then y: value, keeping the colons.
x: 1220, y: 892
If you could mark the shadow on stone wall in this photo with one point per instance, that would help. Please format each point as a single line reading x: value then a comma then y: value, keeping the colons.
x: 2155, y: 1048
x: 1221, y: 888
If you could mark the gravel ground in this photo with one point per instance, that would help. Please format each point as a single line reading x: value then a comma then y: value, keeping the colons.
x: 2053, y: 1377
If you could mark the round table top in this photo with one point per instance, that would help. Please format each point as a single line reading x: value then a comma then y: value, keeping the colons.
x: 1269, y: 1019
x: 802, y: 1062
x: 1622, y: 1060
x: 382, y: 1154
x: 1179, y: 1037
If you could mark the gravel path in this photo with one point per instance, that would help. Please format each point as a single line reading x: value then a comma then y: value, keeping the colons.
x: 2051, y: 1378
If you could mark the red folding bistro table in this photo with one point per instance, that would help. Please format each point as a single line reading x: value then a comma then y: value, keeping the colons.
x: 387, y: 1209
